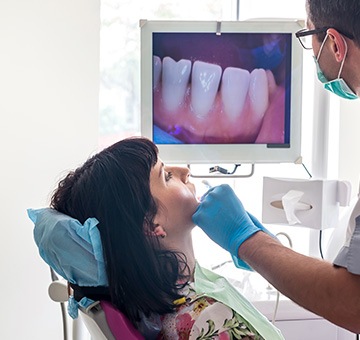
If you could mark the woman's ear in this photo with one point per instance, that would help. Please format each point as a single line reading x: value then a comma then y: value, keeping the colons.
x: 338, y: 44
x: 160, y: 231
x: 157, y: 230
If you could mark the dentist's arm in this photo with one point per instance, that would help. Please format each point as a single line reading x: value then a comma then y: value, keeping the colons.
x: 316, y: 285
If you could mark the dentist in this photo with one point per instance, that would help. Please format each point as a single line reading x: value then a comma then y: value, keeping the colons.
x: 331, y: 290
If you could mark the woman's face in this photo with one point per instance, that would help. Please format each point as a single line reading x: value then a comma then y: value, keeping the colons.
x: 175, y: 196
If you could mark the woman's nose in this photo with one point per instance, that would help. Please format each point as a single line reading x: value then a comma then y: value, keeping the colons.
x: 182, y: 172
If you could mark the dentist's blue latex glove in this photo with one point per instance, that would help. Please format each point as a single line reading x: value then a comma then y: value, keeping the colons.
x: 224, y: 219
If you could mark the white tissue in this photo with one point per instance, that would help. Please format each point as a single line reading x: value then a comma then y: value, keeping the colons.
x: 291, y: 203
x: 306, y: 203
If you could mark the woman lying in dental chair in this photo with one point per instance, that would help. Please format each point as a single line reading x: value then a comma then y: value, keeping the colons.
x: 122, y: 223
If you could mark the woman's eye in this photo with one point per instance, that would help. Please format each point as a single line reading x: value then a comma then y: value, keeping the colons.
x: 168, y: 175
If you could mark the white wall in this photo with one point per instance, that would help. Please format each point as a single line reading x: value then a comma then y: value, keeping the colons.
x: 49, y: 79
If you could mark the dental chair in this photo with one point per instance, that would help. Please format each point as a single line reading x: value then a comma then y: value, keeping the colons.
x: 74, y: 251
x: 101, y: 319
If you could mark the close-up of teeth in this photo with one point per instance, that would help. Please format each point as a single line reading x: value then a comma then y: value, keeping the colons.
x: 175, y: 80
x: 205, y: 82
x: 234, y: 90
x: 205, y: 100
x: 157, y: 71
x: 259, y: 92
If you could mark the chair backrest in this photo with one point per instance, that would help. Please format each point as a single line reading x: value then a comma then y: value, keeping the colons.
x: 120, y: 326
x: 102, y: 320
x: 95, y: 321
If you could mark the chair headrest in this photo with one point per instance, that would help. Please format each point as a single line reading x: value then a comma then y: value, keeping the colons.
x: 72, y: 249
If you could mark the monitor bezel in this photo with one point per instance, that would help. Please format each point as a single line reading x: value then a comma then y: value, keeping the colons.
x: 224, y: 153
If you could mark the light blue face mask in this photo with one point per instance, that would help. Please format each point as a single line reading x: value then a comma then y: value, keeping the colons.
x: 338, y: 85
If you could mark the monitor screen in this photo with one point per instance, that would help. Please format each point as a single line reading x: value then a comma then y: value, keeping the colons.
x: 226, y: 92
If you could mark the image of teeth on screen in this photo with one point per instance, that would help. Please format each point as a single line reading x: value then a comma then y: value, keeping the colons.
x: 221, y: 89
x: 222, y: 92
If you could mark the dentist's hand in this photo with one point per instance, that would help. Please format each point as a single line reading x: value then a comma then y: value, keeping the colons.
x: 223, y: 218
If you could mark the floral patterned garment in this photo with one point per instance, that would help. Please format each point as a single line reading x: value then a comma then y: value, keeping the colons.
x: 202, y: 317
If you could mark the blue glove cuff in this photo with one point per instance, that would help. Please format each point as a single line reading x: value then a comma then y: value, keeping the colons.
x: 243, y: 235
x: 259, y: 227
x: 239, y: 263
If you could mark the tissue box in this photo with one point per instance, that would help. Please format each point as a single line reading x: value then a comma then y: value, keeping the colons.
x: 304, y: 203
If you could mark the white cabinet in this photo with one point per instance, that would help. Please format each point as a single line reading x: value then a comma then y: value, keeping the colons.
x: 312, y: 329
x: 297, y: 323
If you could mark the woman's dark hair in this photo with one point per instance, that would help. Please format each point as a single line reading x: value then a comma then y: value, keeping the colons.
x: 342, y: 15
x: 114, y: 187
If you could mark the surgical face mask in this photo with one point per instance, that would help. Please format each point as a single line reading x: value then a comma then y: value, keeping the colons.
x: 338, y: 85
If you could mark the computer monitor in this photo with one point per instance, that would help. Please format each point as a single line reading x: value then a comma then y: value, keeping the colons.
x: 222, y: 92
